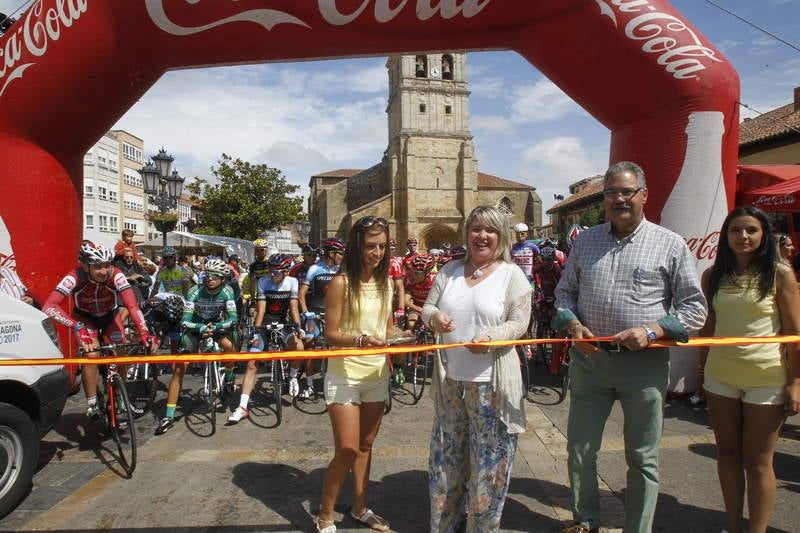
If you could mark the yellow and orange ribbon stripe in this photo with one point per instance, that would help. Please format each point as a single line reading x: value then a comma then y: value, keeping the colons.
x: 379, y: 350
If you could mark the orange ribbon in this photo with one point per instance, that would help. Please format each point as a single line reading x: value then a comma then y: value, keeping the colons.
x: 379, y: 350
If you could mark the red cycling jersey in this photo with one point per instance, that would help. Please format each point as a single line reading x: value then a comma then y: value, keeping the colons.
x: 419, y: 291
x: 547, y: 276
x: 94, y: 300
x: 396, y: 268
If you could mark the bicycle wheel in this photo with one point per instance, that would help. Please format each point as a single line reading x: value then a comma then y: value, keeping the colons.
x: 277, y: 388
x: 142, y: 384
x: 422, y: 362
x: 120, y: 418
x: 210, y: 392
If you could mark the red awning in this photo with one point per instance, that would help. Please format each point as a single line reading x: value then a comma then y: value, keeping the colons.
x: 783, y: 196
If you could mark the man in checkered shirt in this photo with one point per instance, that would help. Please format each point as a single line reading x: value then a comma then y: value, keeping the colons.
x: 636, y: 282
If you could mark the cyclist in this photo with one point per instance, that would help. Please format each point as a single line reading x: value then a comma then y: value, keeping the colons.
x: 164, y: 313
x: 411, y: 244
x: 524, y: 252
x: 93, y: 288
x: 210, y: 310
x: 276, y: 299
x: 559, y: 256
x: 419, y: 286
x: 458, y: 252
x: 316, y: 282
x: 300, y: 270
x: 546, y: 273
x: 397, y: 274
x: 171, y: 276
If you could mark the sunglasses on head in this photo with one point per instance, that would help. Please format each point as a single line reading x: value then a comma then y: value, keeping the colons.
x: 368, y: 222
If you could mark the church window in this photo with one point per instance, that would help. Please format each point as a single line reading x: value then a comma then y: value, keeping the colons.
x: 422, y: 108
x: 421, y: 66
x: 448, y: 110
x: 505, y: 206
x: 447, y: 67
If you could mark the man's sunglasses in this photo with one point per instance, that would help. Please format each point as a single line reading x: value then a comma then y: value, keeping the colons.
x: 214, y: 276
x: 368, y: 222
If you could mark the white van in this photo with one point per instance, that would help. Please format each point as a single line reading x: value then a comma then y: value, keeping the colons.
x: 31, y: 397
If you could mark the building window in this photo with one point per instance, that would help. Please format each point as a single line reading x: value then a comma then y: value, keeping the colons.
x: 103, y: 223
x: 448, y: 110
x: 421, y: 66
x: 89, y: 220
x: 88, y: 158
x: 505, y: 206
x: 131, y: 152
x: 422, y: 108
x: 102, y: 193
x: 112, y: 196
x: 112, y: 226
x: 132, y: 225
x: 447, y: 67
x: 88, y: 190
x: 132, y: 178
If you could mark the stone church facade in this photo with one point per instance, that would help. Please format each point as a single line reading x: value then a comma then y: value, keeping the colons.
x: 428, y: 180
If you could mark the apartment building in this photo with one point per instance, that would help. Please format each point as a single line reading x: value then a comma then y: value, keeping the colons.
x: 133, y: 201
x: 101, y: 191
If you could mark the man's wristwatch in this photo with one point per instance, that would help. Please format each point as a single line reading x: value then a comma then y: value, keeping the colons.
x: 651, y: 335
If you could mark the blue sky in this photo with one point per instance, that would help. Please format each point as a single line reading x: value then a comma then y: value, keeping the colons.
x: 310, y: 117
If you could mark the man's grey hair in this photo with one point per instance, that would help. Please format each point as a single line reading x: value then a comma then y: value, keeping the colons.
x: 626, y: 166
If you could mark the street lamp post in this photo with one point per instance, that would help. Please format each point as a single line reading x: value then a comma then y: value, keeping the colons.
x: 163, y: 187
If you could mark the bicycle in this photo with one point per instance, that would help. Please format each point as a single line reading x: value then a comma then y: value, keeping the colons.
x: 112, y: 395
x: 558, y: 361
x: 320, y: 343
x: 419, y: 363
x: 274, y: 342
x: 213, y: 389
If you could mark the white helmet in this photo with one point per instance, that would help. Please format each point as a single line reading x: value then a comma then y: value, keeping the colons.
x: 92, y: 254
x: 218, y: 267
x: 521, y: 226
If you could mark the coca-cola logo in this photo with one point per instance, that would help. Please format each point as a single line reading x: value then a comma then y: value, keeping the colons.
x: 328, y: 9
x: 774, y: 200
x: 704, y: 248
x: 34, y: 35
x: 680, y: 51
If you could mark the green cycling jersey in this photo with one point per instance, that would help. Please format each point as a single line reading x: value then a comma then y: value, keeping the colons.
x: 203, y: 306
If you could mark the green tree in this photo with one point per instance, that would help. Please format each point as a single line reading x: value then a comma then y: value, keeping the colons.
x: 246, y: 200
x: 593, y: 216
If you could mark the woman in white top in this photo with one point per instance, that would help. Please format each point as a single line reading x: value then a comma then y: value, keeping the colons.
x: 477, y: 391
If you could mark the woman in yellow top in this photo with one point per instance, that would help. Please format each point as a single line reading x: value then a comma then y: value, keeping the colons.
x: 359, y: 314
x: 750, y: 389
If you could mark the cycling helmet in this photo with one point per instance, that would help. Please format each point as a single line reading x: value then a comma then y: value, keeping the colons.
x: 392, y: 243
x: 93, y: 254
x: 168, y: 251
x: 260, y: 243
x: 333, y: 244
x: 279, y: 262
x: 458, y: 252
x: 411, y: 241
x: 309, y: 249
x: 217, y: 267
x: 423, y: 262
x: 233, y: 257
x: 547, y: 251
x: 521, y: 226
x: 173, y: 308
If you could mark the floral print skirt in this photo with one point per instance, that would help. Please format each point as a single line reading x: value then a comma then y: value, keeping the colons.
x: 471, y: 455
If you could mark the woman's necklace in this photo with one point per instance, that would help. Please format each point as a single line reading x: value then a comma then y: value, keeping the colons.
x: 478, y: 272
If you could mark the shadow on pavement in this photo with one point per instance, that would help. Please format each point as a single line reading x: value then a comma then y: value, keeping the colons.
x: 518, y: 517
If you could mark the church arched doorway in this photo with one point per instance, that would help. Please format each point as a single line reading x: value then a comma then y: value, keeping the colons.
x: 436, y: 236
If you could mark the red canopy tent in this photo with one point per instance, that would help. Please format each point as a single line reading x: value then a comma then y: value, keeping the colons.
x: 769, y: 187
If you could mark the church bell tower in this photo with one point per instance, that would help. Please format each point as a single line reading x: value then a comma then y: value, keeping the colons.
x: 431, y: 157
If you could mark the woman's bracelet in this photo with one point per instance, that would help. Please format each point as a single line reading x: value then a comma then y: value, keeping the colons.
x: 359, y: 341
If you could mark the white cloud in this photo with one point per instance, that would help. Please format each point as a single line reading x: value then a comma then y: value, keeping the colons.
x: 494, y: 123
x: 540, y: 102
x: 261, y: 113
x: 487, y: 87
x: 727, y: 45
x: 552, y: 164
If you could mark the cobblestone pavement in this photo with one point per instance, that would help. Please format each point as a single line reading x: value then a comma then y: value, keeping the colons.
x: 257, y: 477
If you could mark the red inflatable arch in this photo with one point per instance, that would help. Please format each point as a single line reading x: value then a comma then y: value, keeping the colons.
x: 70, y: 68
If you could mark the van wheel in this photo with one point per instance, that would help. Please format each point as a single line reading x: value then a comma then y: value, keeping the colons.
x: 19, y: 454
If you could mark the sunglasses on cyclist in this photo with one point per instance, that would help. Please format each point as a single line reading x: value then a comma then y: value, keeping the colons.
x: 418, y: 272
x: 214, y: 276
x: 368, y: 222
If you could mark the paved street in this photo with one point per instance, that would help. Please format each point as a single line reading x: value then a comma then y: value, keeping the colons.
x: 255, y: 477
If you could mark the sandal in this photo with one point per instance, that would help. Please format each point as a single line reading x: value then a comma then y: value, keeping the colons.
x: 371, y: 520
x: 330, y: 528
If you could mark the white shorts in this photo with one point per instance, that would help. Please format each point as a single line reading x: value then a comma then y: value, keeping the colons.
x: 340, y: 390
x: 752, y: 395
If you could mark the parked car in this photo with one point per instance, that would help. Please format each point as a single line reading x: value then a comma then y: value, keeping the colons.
x: 31, y: 397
